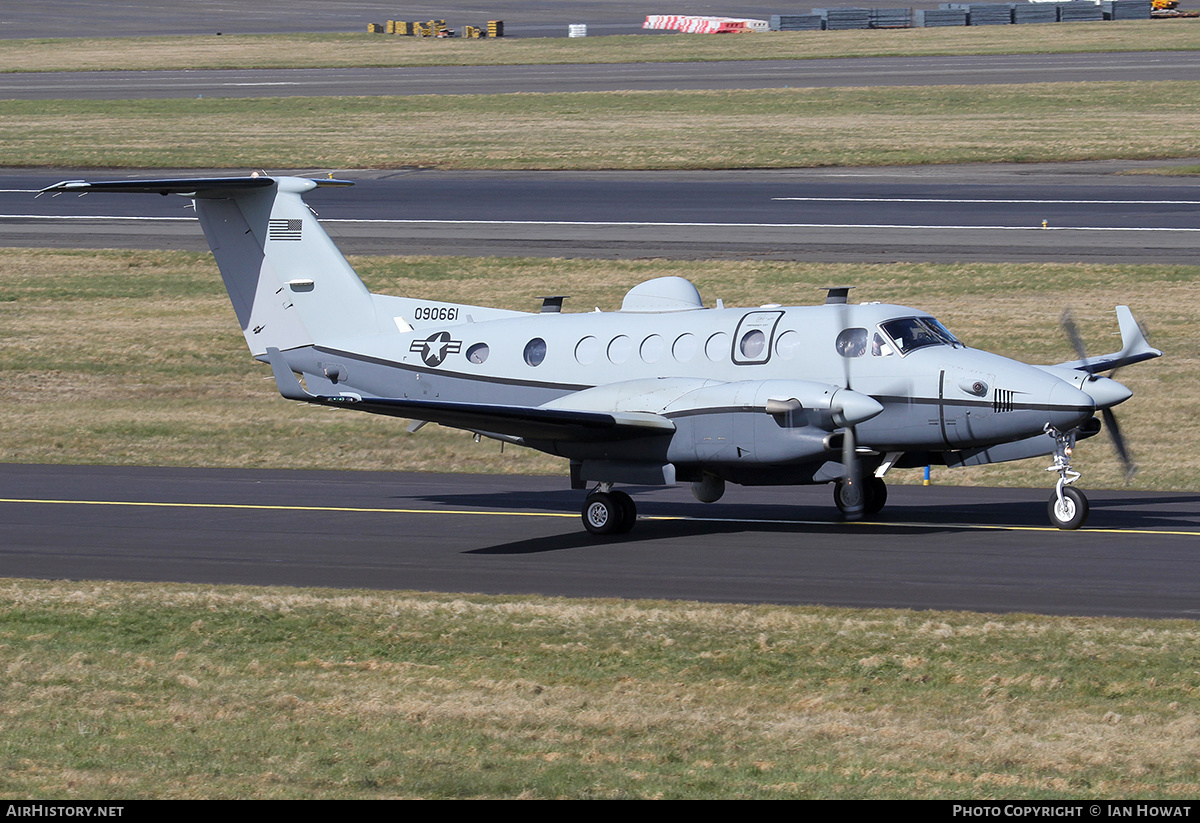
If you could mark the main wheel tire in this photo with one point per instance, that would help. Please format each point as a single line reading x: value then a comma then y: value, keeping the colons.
x: 602, y: 513
x: 876, y: 495
x: 628, y: 511
x: 1072, y: 513
x: 849, y: 496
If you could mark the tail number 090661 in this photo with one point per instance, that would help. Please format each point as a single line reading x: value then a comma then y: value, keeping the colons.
x: 435, y: 313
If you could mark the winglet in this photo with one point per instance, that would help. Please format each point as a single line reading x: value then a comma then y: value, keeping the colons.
x: 1134, y: 346
x: 285, y: 378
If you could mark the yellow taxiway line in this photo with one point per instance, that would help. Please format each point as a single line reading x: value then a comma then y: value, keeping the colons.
x: 498, y: 513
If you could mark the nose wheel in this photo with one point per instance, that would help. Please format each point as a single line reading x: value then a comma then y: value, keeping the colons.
x: 1068, y: 506
x: 608, y: 511
x: 1070, y: 510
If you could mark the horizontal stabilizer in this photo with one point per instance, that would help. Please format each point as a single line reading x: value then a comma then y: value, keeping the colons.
x: 200, y: 187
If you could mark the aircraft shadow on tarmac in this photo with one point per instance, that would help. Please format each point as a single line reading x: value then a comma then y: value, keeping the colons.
x: 687, y: 520
x: 647, y: 531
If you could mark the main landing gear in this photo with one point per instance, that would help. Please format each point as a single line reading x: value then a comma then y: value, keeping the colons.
x: 1068, y: 506
x: 608, y: 511
x: 870, y: 493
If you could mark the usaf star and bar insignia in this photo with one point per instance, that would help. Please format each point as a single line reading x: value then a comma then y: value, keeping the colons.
x: 435, y: 348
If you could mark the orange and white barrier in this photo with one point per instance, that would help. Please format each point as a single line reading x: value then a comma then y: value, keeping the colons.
x: 697, y: 24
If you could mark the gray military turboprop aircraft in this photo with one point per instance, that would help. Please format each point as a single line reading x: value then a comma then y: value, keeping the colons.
x: 662, y: 391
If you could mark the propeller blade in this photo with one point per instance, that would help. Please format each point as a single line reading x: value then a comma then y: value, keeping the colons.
x: 851, y: 483
x: 1067, y: 321
x: 1107, y: 393
x: 852, y: 488
x: 1118, y: 441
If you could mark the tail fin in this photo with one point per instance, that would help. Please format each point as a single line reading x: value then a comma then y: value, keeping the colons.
x: 289, y: 284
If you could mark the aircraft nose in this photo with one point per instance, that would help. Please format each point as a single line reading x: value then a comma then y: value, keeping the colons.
x: 1069, y: 407
x: 1106, y: 392
x: 851, y: 408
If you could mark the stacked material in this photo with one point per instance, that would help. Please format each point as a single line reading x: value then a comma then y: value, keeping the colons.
x: 1077, y: 11
x: 797, y: 22
x: 698, y: 24
x: 891, y: 18
x: 930, y: 18
x: 985, y: 14
x: 1126, y: 9
x: 842, y: 19
x: 1035, y: 13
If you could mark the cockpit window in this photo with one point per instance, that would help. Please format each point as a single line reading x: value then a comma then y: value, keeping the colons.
x: 942, y: 331
x: 911, y: 333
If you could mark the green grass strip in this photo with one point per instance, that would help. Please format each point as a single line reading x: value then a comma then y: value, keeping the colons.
x: 125, y: 691
x: 779, y: 128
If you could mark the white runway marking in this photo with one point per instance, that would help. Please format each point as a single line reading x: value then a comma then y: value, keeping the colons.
x: 647, y: 224
x: 983, y: 200
x: 86, y: 217
x: 682, y: 225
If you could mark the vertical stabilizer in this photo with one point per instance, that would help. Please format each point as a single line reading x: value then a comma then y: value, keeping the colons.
x: 289, y: 284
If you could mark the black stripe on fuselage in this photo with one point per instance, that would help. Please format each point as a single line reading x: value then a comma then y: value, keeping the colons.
x: 572, y: 387
x: 478, y: 378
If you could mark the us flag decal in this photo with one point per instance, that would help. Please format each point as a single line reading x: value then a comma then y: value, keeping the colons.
x: 283, y: 229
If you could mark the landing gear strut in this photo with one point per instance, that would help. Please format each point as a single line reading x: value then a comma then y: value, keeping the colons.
x: 606, y: 511
x: 1068, y: 506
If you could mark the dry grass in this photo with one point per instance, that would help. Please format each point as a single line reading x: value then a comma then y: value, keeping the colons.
x: 778, y: 128
x: 354, y: 50
x: 134, y: 690
x: 135, y: 358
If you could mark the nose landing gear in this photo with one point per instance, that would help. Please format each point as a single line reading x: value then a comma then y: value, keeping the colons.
x: 1068, y: 507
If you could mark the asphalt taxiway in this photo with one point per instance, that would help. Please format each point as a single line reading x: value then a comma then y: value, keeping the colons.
x: 935, y: 547
x: 1064, y: 212
x: 959, y: 70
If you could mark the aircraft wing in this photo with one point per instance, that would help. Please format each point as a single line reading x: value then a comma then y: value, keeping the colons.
x: 528, y: 422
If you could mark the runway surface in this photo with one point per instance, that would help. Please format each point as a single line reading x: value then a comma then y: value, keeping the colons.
x: 746, y: 74
x: 932, y: 548
x: 938, y: 214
